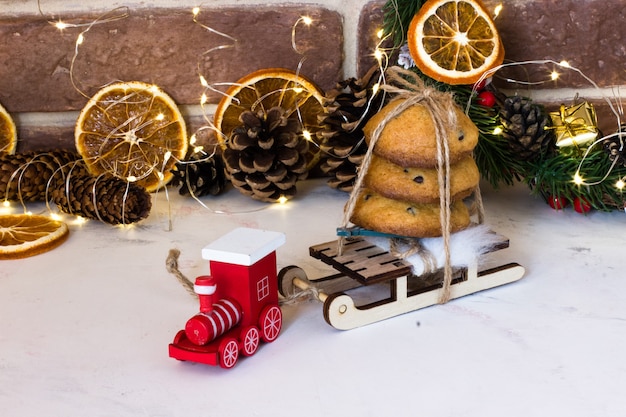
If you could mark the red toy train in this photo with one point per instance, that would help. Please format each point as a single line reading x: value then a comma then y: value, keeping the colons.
x: 238, y: 301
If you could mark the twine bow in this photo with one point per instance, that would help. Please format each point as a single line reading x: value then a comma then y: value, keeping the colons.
x: 441, y: 106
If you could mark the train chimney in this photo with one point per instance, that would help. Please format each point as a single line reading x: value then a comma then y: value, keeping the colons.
x: 205, y: 287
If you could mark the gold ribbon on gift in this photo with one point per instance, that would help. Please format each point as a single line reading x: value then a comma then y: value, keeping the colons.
x: 575, y: 125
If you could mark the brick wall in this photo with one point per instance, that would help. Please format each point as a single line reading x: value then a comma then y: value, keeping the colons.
x: 158, y: 42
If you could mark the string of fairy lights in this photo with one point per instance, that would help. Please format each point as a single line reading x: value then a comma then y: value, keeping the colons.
x: 552, y: 76
x: 217, y: 88
x: 123, y: 13
x: 382, y: 59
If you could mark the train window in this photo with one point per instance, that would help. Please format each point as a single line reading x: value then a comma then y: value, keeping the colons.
x: 263, y: 288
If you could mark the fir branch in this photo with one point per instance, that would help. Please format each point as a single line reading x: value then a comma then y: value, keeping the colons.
x: 553, y: 176
x: 397, y: 16
x: 495, y: 160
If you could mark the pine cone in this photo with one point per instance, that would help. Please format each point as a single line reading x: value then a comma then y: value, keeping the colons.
x: 105, y: 198
x: 350, y: 106
x: 27, y: 176
x: 265, y: 155
x: 525, y: 127
x: 199, y: 175
x: 615, y: 146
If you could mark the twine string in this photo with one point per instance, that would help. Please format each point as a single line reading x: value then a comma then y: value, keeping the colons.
x: 413, y: 247
x: 407, y: 86
x: 311, y: 293
x: 364, y: 167
x: 478, y: 203
x: 171, y: 264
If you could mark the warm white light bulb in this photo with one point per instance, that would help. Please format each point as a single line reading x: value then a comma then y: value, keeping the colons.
x: 378, y: 54
x: 307, y: 20
x: 620, y: 184
x: 578, y: 180
x: 497, y: 10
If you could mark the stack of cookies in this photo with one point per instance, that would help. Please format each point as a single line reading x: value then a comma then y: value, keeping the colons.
x: 401, y: 190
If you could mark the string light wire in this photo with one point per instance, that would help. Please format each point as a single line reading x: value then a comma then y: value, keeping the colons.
x: 116, y: 14
x: 578, y: 179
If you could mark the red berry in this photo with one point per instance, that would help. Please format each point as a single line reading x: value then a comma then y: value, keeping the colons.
x: 581, y: 205
x: 556, y: 202
x: 486, y: 98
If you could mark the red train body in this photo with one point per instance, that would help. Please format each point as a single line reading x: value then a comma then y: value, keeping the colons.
x: 209, y: 325
x: 238, y: 301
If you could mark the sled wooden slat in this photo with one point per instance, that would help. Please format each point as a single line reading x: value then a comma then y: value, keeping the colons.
x: 361, y: 260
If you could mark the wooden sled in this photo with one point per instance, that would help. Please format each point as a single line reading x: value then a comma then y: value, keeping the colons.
x: 364, y: 266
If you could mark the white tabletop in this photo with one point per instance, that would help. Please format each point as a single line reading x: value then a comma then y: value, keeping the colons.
x: 85, y: 328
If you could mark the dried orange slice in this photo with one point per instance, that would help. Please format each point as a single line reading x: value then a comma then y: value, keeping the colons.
x: 134, y: 131
x: 24, y: 235
x: 454, y: 41
x: 8, y: 133
x: 268, y: 88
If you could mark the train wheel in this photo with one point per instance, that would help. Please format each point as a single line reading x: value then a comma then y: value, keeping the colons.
x: 249, y: 340
x: 229, y: 352
x: 271, y: 322
x: 286, y: 277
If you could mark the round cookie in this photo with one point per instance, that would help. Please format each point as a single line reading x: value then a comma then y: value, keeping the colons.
x: 420, y: 185
x: 375, y: 212
x: 409, y: 139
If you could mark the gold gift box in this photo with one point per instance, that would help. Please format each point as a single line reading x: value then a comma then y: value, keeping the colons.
x: 575, y: 125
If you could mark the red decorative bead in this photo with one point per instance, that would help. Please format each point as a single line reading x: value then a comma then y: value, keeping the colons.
x: 581, y: 205
x: 556, y: 202
x: 486, y: 98
x: 480, y: 86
